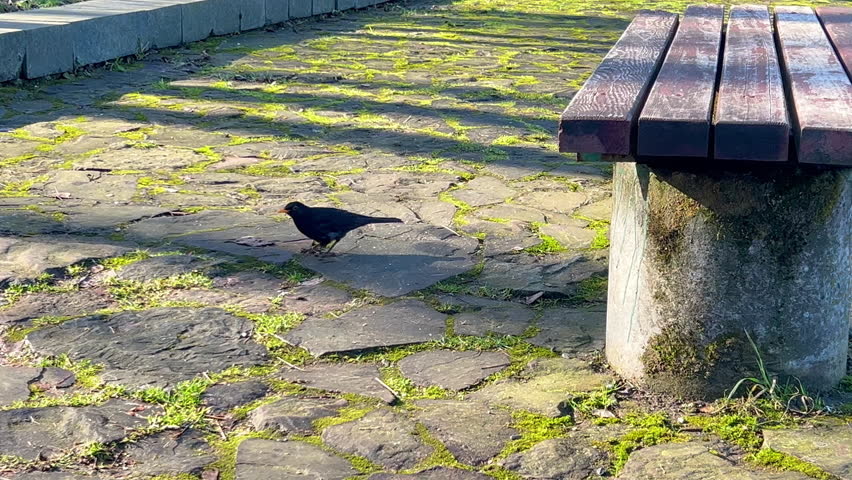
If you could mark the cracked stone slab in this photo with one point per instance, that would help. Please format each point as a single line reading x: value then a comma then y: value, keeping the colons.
x: 278, y: 242
x: 562, y: 458
x: 553, y: 273
x: 104, y: 219
x: 395, y: 259
x: 50, y: 476
x: 565, y: 202
x: 34, y: 433
x: 288, y: 460
x: 355, y: 378
x: 68, y: 304
x: 315, y: 299
x: 15, y: 383
x: 600, y: 210
x: 294, y: 414
x: 676, y: 461
x: 574, y: 237
x: 169, y: 453
x: 155, y: 229
x: 434, y: 473
x: 222, y: 398
x: 572, y: 330
x: 26, y: 258
x: 159, y: 158
x: 158, y: 347
x: 400, y: 323
x: 162, y: 267
x: 483, y: 191
x: 544, y: 386
x: 829, y: 447
x: 473, y: 432
x: 450, y: 369
x: 382, y: 436
x: 501, y: 318
x: 91, y: 186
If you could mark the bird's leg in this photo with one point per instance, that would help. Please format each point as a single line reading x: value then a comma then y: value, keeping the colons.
x: 312, y: 248
x: 331, y: 245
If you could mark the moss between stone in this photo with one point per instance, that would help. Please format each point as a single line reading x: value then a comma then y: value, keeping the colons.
x: 783, y: 462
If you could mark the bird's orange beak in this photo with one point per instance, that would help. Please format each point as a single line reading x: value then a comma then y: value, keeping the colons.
x: 283, y: 210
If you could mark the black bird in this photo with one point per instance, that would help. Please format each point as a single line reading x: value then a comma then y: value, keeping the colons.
x: 327, y: 226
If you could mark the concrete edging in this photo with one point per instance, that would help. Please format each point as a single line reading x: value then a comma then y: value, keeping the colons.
x: 48, y: 41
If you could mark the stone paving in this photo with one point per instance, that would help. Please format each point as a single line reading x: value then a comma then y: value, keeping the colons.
x: 159, y: 320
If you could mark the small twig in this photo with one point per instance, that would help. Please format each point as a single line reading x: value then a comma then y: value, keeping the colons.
x: 451, y: 230
x: 219, y: 429
x: 285, y: 362
x: 386, y: 386
x: 207, y: 376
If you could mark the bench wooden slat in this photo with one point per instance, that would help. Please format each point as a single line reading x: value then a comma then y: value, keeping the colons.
x: 821, y: 90
x: 676, y: 117
x: 601, y: 116
x: 751, y: 121
x: 838, y: 24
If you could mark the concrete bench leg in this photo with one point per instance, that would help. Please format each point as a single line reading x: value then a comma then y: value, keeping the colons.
x: 700, y: 256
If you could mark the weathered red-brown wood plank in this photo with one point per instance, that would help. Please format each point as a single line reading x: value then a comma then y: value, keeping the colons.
x: 602, y: 115
x: 677, y: 114
x: 821, y: 90
x: 838, y: 23
x: 751, y: 121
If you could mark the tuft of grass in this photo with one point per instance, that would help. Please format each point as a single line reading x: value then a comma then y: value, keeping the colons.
x: 135, y: 294
x: 592, y: 289
x: 765, y: 390
x: 601, y: 399
x: 42, y: 284
x: 181, y: 406
x: 85, y: 371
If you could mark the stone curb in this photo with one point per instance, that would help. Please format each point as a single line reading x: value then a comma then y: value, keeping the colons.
x: 43, y: 42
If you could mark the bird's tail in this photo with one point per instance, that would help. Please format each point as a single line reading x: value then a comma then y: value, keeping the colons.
x: 385, y: 220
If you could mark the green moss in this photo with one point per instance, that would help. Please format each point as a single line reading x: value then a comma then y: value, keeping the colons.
x: 115, y: 263
x: 405, y: 388
x: 346, y: 414
x: 592, y: 289
x: 462, y: 208
x: 22, y: 188
x: 648, y: 431
x: 535, y: 428
x: 42, y: 284
x: 226, y: 450
x: 135, y: 294
x: 85, y: 371
x: 783, y: 462
x: 440, y: 456
x: 500, y: 473
x: 8, y: 162
x: 846, y: 384
x: 739, y: 429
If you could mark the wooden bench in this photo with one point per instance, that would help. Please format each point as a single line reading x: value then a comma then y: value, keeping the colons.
x: 733, y: 193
